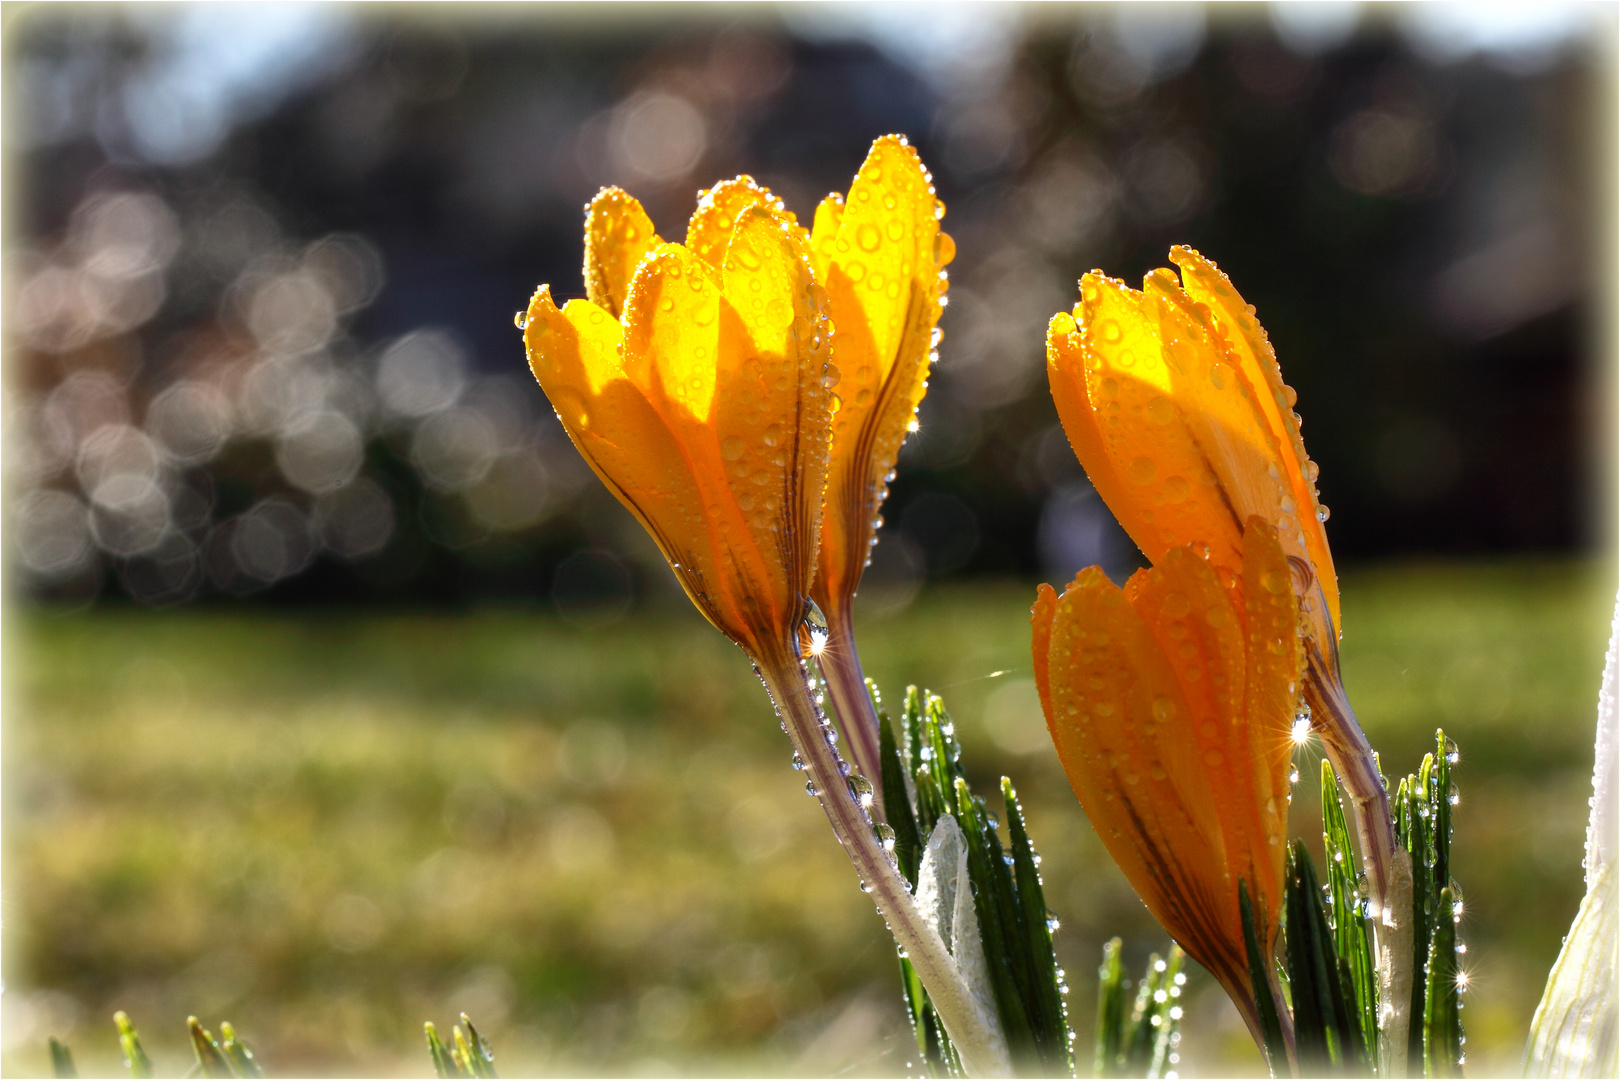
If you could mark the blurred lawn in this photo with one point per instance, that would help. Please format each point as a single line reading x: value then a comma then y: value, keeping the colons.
x: 328, y: 828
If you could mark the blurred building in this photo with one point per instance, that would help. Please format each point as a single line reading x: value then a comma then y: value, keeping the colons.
x: 262, y: 263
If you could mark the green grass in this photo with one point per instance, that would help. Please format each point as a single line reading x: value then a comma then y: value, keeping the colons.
x: 328, y: 828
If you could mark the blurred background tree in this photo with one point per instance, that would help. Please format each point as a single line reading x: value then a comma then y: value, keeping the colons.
x: 263, y: 263
x: 261, y: 266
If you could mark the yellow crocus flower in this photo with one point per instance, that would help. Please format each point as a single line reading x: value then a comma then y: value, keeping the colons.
x: 694, y: 380
x: 881, y: 254
x: 1175, y: 405
x: 1171, y: 703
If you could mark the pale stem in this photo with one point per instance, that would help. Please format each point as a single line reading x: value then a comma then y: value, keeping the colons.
x: 1388, y: 866
x: 969, y: 1030
x: 841, y: 667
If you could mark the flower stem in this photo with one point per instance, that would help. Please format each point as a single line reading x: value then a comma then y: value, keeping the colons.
x: 977, y: 1037
x: 1388, y: 865
x: 841, y: 667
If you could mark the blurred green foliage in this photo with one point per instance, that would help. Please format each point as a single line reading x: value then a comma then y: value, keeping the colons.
x: 590, y: 837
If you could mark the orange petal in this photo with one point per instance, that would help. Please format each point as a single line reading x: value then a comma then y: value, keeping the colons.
x: 618, y: 234
x: 824, y: 233
x: 1272, y: 686
x: 1040, y: 621
x: 574, y: 355
x: 679, y: 335
x: 673, y: 330
x: 750, y: 417
x: 1216, y: 404
x: 1251, y: 350
x: 1066, y: 372
x: 718, y: 211
x: 1155, y: 816
x: 1200, y: 626
x: 772, y: 414
x: 884, y: 287
x: 1167, y: 493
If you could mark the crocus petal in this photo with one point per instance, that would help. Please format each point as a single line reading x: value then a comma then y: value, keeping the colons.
x: 718, y: 211
x: 618, y: 235
x: 824, y: 234
x: 1275, y: 661
x: 773, y: 410
x: 1166, y: 488
x: 1066, y: 362
x: 1247, y: 343
x: 1040, y: 621
x: 883, y: 253
x: 1106, y: 675
x: 574, y: 354
x: 749, y: 413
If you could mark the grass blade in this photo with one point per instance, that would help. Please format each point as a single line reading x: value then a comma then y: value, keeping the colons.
x: 897, y: 803
x: 1307, y: 969
x: 241, y: 1056
x: 1054, y: 1039
x: 1110, y: 1034
x: 444, y: 1066
x: 1265, y: 1004
x: 1168, y: 1039
x: 61, y: 1060
x: 1442, y: 1024
x: 211, y: 1060
x: 1140, y: 1028
x: 1352, y: 939
x: 480, y: 1056
x: 129, y: 1041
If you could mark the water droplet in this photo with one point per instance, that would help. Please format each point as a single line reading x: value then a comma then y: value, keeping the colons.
x: 732, y: 448
x: 1293, y: 775
x: 1322, y: 513
x: 521, y: 320
x: 868, y: 236
x: 812, y: 631
x: 1142, y: 470
x: 1452, y: 755
x: 798, y: 763
x: 773, y: 435
x: 810, y: 788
